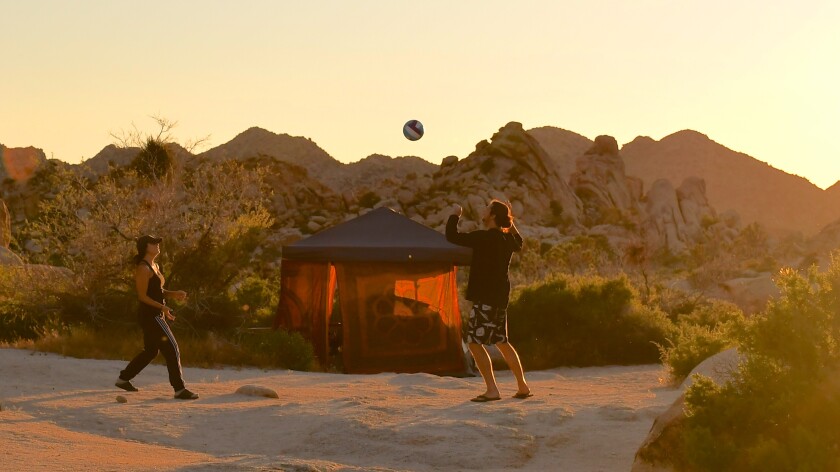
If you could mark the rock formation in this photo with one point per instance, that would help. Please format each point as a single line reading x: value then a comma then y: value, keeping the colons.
x: 563, y: 147
x: 694, y: 206
x: 7, y: 257
x: 20, y: 164
x: 607, y: 194
x: 511, y: 166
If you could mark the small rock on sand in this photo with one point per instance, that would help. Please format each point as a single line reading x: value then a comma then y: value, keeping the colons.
x: 257, y: 391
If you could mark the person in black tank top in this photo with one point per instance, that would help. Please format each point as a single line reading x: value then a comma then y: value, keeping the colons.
x: 488, y: 289
x: 152, y: 315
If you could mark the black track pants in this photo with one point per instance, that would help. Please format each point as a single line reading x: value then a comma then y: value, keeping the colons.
x: 157, y: 337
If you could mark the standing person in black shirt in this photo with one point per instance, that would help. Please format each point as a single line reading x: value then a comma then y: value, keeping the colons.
x: 489, y: 289
x: 153, y: 313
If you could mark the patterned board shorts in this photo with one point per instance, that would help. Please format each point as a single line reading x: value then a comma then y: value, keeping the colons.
x: 487, y: 325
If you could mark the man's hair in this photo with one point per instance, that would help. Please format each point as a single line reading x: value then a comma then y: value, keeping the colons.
x: 501, y: 214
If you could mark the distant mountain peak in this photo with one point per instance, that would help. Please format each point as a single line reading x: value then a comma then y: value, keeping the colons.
x: 256, y: 141
x: 687, y: 134
x: 641, y: 141
x: 556, y: 131
x: 781, y: 202
x: 258, y: 133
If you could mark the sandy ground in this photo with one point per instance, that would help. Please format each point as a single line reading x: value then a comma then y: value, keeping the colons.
x: 61, y: 414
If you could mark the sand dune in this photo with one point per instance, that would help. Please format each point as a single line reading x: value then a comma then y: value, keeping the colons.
x: 61, y: 414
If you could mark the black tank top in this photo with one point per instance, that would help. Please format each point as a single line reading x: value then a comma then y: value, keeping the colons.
x: 153, y: 291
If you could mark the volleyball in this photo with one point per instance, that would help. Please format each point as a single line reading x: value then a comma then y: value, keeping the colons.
x: 413, y: 130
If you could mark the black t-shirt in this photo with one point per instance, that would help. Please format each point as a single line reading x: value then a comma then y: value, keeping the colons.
x: 492, y: 248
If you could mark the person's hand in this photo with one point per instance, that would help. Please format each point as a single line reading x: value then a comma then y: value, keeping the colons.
x: 179, y: 295
x: 457, y: 210
x: 167, y: 312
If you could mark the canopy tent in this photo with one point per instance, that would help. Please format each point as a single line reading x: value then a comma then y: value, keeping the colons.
x: 398, y: 300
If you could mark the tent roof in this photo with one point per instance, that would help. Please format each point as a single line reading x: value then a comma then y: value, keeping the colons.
x: 381, y: 235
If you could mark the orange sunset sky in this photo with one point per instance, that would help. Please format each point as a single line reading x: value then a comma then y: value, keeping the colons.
x: 760, y: 77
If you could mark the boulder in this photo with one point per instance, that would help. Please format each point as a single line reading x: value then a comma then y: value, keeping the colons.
x: 751, y: 294
x: 665, y: 226
x: 604, y: 145
x: 7, y: 258
x: 448, y: 161
x: 694, y: 206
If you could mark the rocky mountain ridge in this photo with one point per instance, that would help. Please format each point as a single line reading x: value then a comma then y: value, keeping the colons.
x: 781, y: 202
x: 559, y: 183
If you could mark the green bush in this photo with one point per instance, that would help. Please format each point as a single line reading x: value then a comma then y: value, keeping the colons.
x: 280, y: 348
x: 584, y: 321
x: 691, y: 345
x: 154, y: 161
x: 781, y: 410
x: 710, y: 327
x: 18, y: 322
x: 30, y: 301
x: 583, y: 255
x: 213, y: 217
x: 712, y: 313
x: 369, y: 199
x: 257, y: 298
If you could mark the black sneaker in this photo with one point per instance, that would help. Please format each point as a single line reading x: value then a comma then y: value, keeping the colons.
x: 185, y: 395
x: 126, y: 385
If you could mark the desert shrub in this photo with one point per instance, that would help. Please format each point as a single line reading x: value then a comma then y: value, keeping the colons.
x: 369, y: 199
x: 712, y: 313
x: 690, y: 345
x: 674, y: 302
x: 529, y: 265
x: 557, y: 218
x: 261, y: 348
x: 781, y: 410
x: 84, y: 342
x: 31, y: 300
x: 709, y: 328
x: 17, y: 322
x: 257, y: 297
x: 247, y: 303
x: 584, y: 321
x: 212, y: 216
x: 279, y: 348
x: 154, y: 161
x: 584, y: 254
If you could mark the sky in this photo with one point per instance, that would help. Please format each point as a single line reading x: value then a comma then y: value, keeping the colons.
x: 759, y: 77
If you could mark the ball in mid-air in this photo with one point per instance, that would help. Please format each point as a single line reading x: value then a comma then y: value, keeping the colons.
x: 413, y: 130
